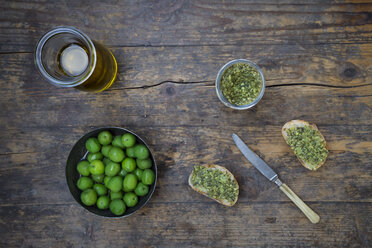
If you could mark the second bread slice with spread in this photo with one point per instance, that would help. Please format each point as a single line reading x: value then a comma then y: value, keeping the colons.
x: 307, y: 143
x: 215, y: 182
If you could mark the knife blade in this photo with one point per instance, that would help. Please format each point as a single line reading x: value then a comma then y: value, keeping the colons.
x: 255, y: 160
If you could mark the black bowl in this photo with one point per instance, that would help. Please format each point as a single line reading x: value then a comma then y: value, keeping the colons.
x: 78, y: 152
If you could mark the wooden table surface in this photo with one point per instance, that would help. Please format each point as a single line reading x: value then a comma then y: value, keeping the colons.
x: 317, y: 59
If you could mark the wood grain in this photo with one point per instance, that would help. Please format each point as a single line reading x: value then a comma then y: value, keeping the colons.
x: 189, y: 23
x: 316, y: 57
x: 189, y: 225
x: 327, y: 64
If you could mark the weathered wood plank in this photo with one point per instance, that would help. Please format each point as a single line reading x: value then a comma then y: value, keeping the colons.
x: 189, y: 225
x: 186, y: 104
x: 164, y: 23
x: 37, y: 158
x: 328, y: 64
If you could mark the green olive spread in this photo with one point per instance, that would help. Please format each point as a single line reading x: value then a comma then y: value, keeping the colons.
x: 216, y: 183
x: 307, y: 144
x: 241, y: 84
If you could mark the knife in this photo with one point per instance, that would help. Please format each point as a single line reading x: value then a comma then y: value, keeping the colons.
x: 265, y: 170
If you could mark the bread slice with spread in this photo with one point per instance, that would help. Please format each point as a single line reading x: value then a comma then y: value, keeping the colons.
x: 307, y: 143
x: 215, y: 182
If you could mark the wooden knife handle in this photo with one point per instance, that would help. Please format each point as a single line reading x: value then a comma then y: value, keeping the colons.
x: 310, y: 214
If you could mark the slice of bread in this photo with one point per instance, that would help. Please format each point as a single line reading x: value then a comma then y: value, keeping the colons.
x: 301, y: 123
x: 203, y: 192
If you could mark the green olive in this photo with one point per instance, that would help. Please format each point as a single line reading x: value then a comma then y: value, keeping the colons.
x: 116, y: 195
x: 141, y: 189
x: 104, y: 138
x: 117, y: 207
x: 128, y: 140
x: 100, y: 189
x: 96, y: 167
x: 89, y: 197
x: 92, y: 145
x: 103, y: 202
x: 117, y: 142
x: 129, y: 164
x: 130, y: 152
x: 141, y: 151
x: 144, y: 163
x: 115, y: 184
x: 129, y: 182
x: 148, y: 177
x: 84, y: 183
x: 112, y: 169
x: 116, y: 154
x: 83, y: 168
x: 94, y: 156
x: 130, y: 199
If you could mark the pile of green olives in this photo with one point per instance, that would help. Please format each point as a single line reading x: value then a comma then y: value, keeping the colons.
x: 115, y: 172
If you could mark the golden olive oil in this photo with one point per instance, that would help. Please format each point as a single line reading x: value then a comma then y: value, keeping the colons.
x: 73, y: 60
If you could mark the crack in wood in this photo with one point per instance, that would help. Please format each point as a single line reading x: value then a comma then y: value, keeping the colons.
x: 211, y: 83
x: 163, y: 82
